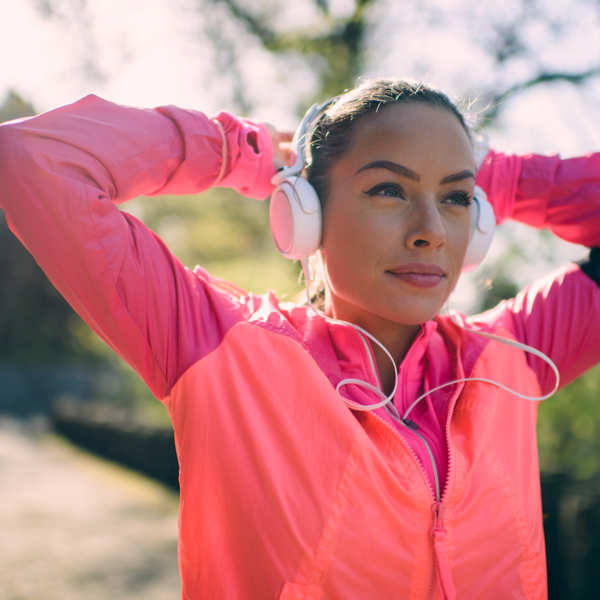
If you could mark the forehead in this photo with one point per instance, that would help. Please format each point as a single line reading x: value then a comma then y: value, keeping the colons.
x: 412, y: 133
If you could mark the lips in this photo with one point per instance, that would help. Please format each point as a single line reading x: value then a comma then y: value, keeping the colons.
x: 423, y: 275
x: 419, y: 269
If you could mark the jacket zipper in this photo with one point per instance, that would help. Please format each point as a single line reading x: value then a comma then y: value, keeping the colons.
x: 410, y: 451
x: 395, y: 433
x: 438, y: 530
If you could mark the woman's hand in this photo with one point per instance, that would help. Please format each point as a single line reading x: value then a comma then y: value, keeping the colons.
x: 283, y: 153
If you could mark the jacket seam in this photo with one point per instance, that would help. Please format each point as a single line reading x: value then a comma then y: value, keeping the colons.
x: 526, y: 567
x: 313, y: 568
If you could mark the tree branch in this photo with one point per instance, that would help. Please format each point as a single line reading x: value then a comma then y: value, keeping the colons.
x: 266, y: 35
x: 544, y: 77
x: 338, y: 43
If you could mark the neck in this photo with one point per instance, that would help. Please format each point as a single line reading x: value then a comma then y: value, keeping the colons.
x: 397, y: 342
x: 396, y: 337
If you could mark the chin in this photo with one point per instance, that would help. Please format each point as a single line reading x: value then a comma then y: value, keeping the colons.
x: 416, y: 312
x: 414, y: 306
x: 405, y: 314
x: 401, y: 309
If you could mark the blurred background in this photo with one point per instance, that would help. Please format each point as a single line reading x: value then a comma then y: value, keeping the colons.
x: 526, y: 71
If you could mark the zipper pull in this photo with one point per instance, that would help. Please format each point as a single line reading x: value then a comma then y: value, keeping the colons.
x: 437, y: 509
x: 444, y: 572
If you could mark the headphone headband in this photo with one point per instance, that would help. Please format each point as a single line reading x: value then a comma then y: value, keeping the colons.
x: 299, y: 141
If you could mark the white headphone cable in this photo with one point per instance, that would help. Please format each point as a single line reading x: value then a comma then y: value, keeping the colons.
x: 386, y: 399
x: 362, y: 332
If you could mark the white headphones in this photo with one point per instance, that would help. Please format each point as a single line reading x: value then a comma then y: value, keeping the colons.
x: 295, y: 210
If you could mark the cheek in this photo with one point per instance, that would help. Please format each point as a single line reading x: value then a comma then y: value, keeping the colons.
x: 359, y: 229
x: 458, y: 245
x: 340, y: 257
x: 348, y: 247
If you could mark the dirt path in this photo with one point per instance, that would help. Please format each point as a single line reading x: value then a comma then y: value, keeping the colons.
x: 73, y: 526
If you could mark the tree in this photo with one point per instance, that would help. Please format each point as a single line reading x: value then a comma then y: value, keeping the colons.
x: 335, y: 47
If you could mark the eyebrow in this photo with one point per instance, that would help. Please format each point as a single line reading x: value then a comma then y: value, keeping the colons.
x: 410, y: 174
x: 458, y: 176
x: 391, y: 166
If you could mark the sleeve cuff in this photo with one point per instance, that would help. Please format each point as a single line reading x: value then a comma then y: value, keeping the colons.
x: 499, y: 177
x: 250, y: 157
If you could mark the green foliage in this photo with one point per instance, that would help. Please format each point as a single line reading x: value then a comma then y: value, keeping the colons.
x: 569, y: 429
x: 35, y: 321
x: 498, y: 289
x: 14, y: 106
x: 334, y: 49
x: 223, y: 232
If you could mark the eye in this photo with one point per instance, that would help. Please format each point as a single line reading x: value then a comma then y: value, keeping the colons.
x: 458, y: 198
x: 388, y: 190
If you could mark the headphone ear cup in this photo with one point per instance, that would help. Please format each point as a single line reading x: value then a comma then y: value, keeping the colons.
x: 483, y: 224
x: 295, y: 214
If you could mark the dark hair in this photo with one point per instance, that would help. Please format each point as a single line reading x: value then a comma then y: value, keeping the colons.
x: 332, y: 132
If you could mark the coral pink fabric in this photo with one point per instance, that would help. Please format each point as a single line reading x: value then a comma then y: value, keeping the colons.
x: 284, y: 490
x: 285, y: 493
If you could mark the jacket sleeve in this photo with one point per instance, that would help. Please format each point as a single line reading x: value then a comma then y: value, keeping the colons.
x: 558, y: 315
x: 546, y: 191
x: 62, y: 174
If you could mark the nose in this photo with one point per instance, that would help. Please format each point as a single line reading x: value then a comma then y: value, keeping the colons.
x: 426, y: 226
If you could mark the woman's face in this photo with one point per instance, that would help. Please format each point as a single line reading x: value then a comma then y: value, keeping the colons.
x: 396, y: 221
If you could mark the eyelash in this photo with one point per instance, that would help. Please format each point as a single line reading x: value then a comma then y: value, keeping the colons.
x: 463, y: 199
x: 459, y: 198
x: 383, y: 187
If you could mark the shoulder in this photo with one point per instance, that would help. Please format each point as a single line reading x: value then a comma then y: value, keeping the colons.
x: 263, y: 310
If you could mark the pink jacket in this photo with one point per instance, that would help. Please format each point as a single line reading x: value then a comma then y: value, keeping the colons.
x: 284, y: 491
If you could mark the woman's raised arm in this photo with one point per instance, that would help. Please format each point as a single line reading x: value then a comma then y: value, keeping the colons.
x: 61, y: 174
x: 562, y: 194
x: 559, y: 313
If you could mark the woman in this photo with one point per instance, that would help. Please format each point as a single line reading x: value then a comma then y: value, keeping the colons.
x: 285, y: 492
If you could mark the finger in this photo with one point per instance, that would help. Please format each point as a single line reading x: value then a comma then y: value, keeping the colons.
x: 284, y: 136
x: 289, y: 157
x: 285, y: 153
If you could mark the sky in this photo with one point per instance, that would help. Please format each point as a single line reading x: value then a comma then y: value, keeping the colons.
x: 153, y: 52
